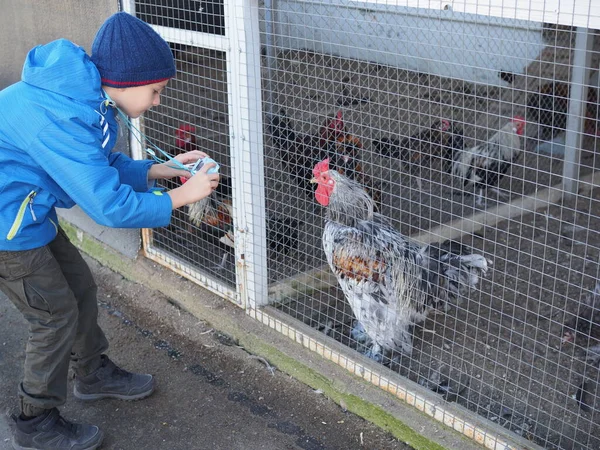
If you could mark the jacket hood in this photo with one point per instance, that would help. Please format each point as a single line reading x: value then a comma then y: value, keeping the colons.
x: 64, y: 68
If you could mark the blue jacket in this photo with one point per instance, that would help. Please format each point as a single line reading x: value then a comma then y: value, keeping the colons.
x: 56, y: 137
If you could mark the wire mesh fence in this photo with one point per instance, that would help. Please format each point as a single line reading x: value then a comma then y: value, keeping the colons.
x: 472, y: 131
x: 194, y: 116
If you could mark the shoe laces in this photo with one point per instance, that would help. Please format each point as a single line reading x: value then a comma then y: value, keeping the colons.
x: 115, y: 371
x: 121, y: 373
x: 69, y: 428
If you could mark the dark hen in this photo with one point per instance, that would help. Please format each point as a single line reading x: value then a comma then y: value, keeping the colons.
x: 430, y: 147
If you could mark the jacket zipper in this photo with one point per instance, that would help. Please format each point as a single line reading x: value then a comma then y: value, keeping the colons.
x: 19, y: 219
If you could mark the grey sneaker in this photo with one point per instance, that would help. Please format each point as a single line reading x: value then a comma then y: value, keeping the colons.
x: 50, y: 431
x: 110, y: 381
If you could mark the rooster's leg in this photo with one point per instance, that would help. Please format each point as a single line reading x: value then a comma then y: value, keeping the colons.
x: 419, y: 183
x: 223, y: 264
x: 480, y: 202
x: 375, y: 353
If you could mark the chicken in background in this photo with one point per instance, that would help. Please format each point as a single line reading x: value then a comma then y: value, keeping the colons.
x: 301, y: 153
x: 185, y: 138
x: 217, y: 213
x: 390, y: 283
x: 215, y: 210
x: 581, y: 327
x: 433, y: 145
x: 214, y: 214
x: 344, y: 156
x: 484, y: 165
x: 549, y: 108
x: 282, y: 234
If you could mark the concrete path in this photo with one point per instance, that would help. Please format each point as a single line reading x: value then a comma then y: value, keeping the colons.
x: 211, y: 394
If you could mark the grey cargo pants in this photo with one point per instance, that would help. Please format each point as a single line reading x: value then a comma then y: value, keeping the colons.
x: 54, y: 289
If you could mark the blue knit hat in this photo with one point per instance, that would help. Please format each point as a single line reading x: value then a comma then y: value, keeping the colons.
x: 128, y: 52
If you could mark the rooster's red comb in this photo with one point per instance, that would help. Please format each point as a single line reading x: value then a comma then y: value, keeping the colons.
x: 519, y: 119
x: 186, y: 128
x: 321, y: 167
x: 445, y: 125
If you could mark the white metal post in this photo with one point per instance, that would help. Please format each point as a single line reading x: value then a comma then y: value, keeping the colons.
x: 577, y: 105
x: 245, y: 115
x: 270, y: 53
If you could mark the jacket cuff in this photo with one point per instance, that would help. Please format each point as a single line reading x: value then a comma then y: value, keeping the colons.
x: 137, y: 175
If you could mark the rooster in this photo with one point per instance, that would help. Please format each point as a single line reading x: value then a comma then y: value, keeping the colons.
x: 421, y: 150
x: 435, y: 142
x: 484, y: 165
x: 343, y: 154
x: 215, y: 212
x: 214, y: 216
x: 301, y: 153
x: 185, y: 139
x: 390, y: 282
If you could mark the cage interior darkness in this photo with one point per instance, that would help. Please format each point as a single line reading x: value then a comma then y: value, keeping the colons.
x: 441, y: 119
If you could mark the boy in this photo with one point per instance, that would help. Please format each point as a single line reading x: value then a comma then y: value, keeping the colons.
x: 57, y: 129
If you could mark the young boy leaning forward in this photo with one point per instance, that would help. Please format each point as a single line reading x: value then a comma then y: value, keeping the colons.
x: 57, y: 130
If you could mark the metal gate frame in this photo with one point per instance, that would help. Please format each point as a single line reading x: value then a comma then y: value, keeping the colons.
x: 241, y: 45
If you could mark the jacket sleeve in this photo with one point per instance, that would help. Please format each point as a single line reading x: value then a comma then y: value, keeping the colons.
x: 132, y: 172
x: 73, y: 157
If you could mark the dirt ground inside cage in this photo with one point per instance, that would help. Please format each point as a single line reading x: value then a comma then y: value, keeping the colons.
x: 500, y: 348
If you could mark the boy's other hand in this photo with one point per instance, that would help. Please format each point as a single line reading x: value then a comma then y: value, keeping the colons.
x: 168, y: 170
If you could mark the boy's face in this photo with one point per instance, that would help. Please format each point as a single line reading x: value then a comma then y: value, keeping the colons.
x: 135, y: 101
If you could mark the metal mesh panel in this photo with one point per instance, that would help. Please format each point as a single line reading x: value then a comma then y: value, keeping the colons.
x: 194, y: 115
x: 203, y: 16
x: 416, y: 106
x: 408, y: 92
x: 196, y: 103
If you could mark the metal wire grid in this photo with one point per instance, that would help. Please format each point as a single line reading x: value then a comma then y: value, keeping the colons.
x: 499, y: 351
x: 194, y: 115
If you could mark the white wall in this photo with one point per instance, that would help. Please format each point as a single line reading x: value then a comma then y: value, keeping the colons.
x: 441, y: 42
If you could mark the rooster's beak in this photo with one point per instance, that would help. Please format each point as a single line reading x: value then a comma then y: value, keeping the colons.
x: 313, y: 180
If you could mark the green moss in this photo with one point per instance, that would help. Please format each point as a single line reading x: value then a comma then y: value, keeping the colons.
x: 98, y: 250
x: 354, y: 404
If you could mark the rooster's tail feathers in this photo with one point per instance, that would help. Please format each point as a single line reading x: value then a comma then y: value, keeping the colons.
x: 463, y: 271
x: 202, y: 211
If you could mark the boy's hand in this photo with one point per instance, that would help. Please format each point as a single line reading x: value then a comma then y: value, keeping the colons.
x: 196, y: 188
x: 168, y: 170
